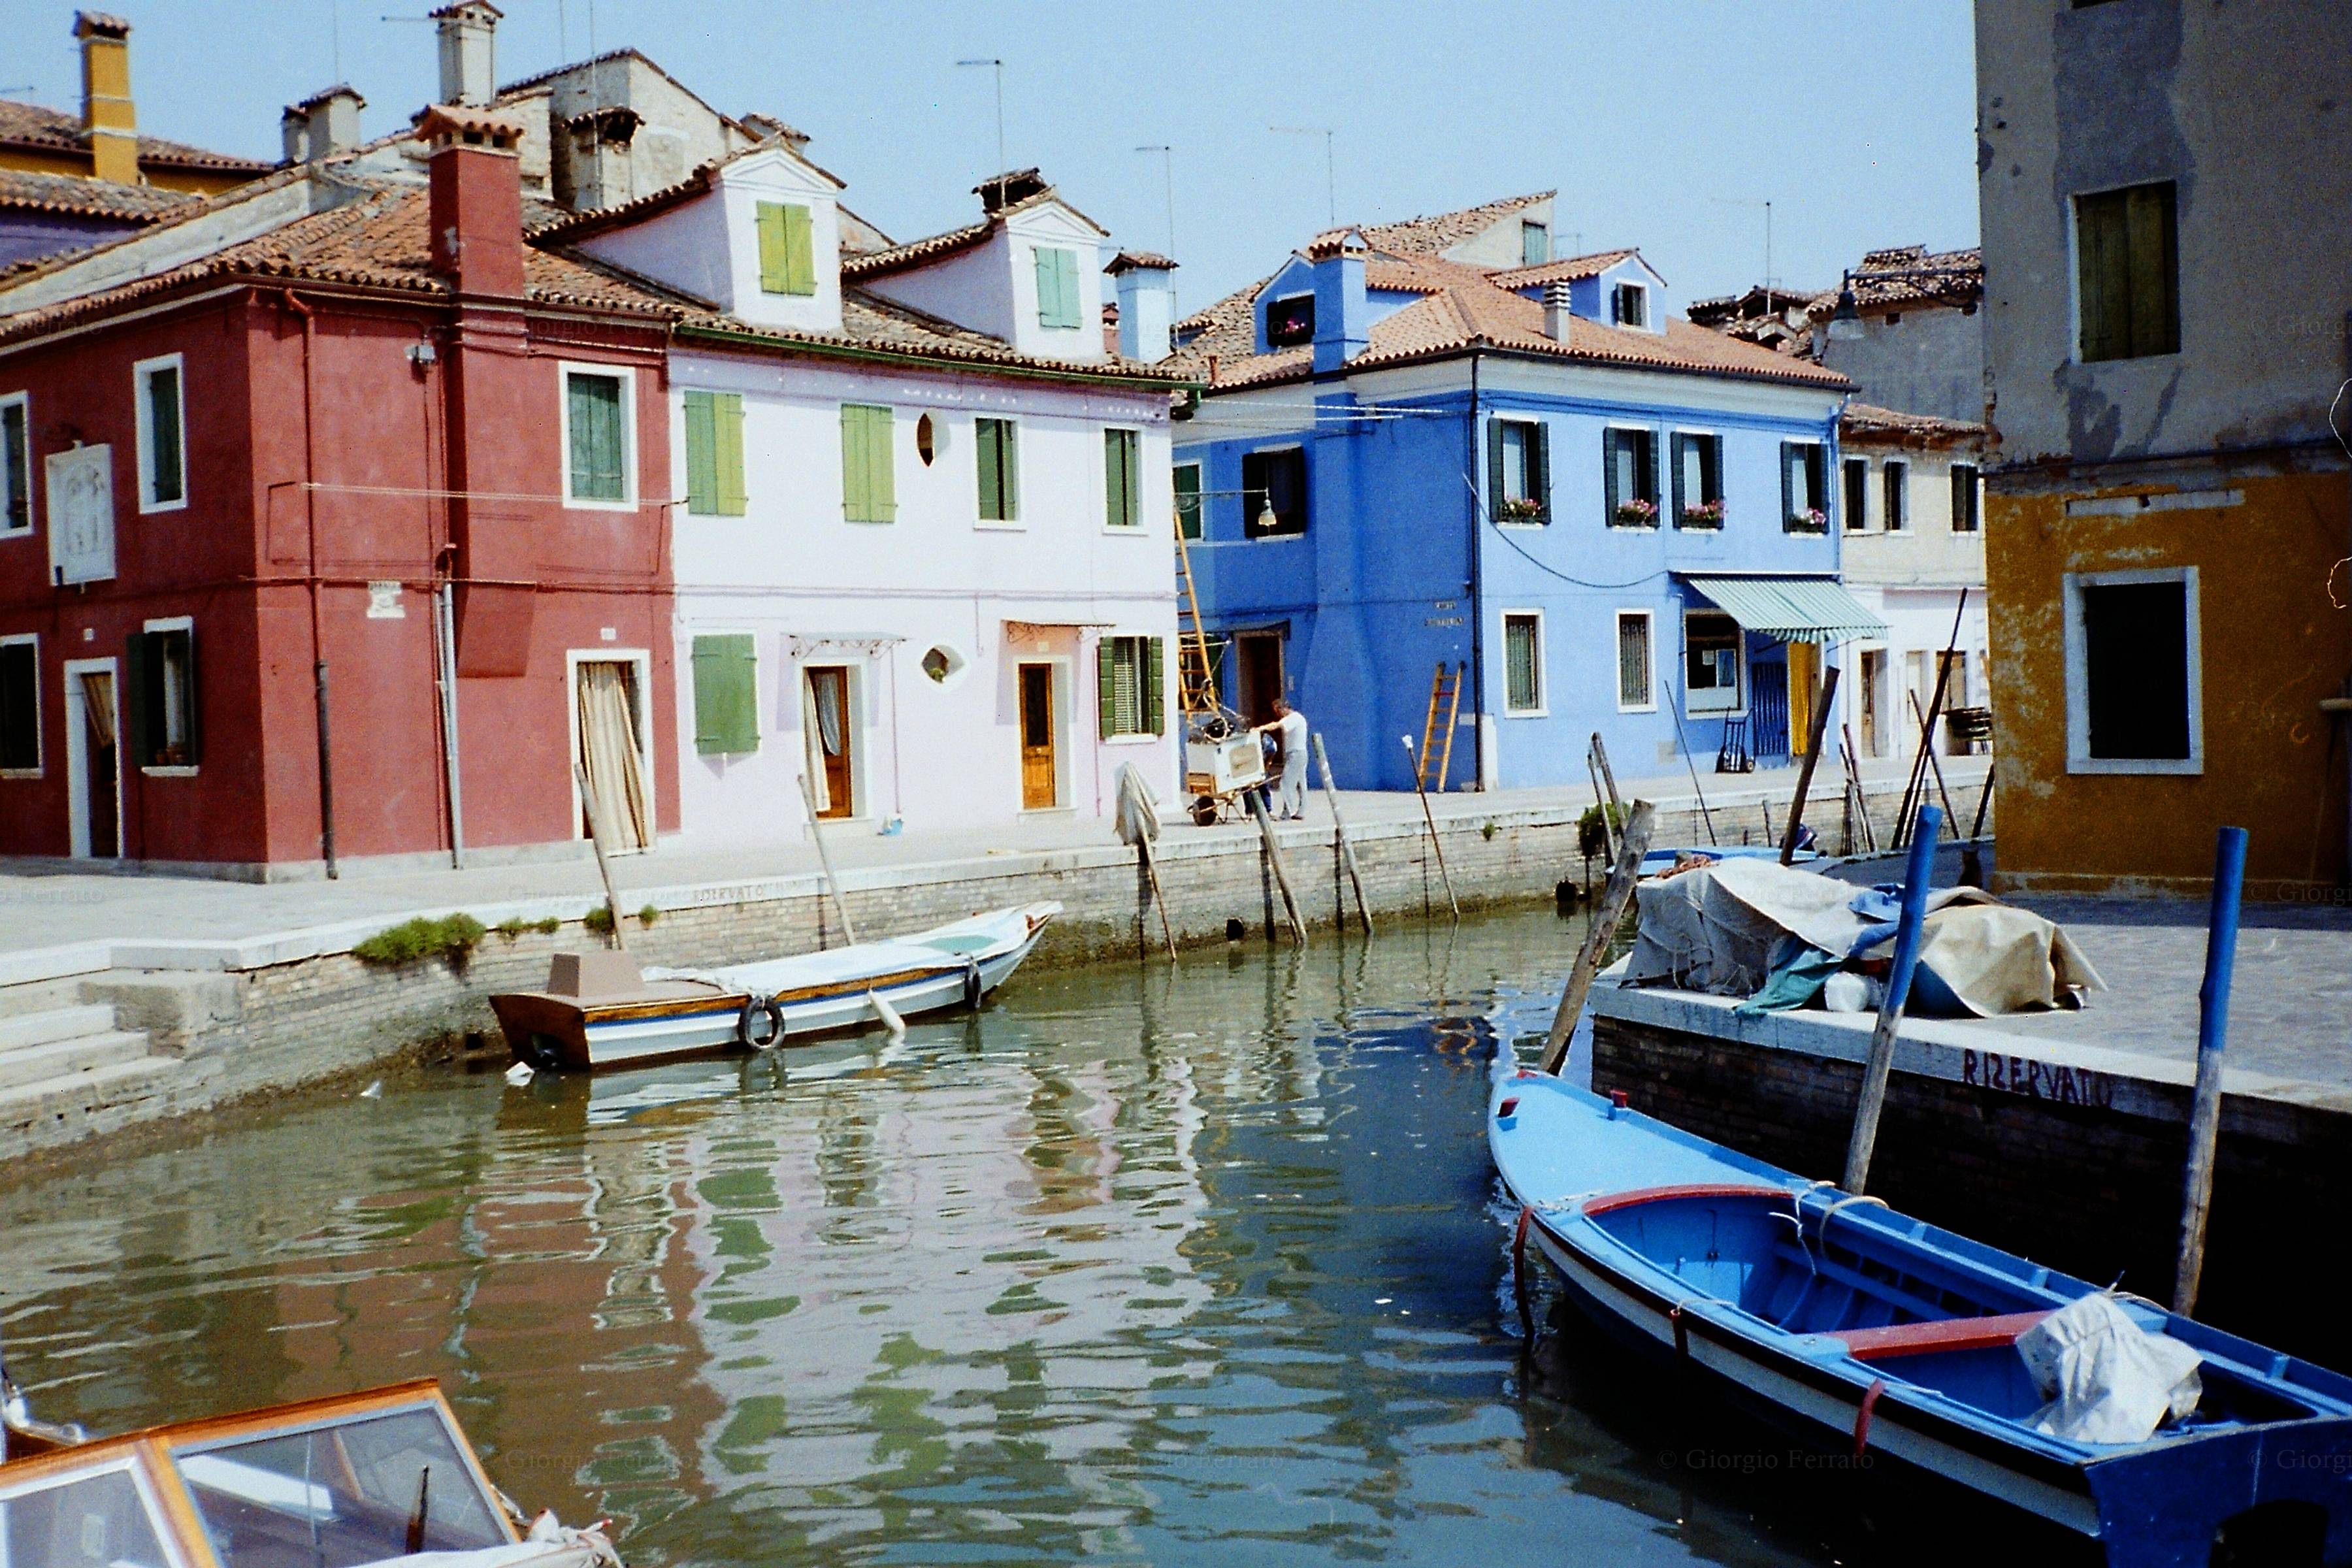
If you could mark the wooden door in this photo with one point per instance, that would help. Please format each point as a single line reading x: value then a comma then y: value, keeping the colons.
x: 1261, y: 675
x: 1039, y: 768
x: 836, y: 737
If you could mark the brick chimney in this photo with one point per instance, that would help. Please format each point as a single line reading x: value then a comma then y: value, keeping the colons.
x: 109, y: 123
x: 468, y: 36
x: 476, y: 184
x: 322, y: 124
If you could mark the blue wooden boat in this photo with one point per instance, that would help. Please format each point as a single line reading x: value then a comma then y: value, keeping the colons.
x: 1867, y: 1332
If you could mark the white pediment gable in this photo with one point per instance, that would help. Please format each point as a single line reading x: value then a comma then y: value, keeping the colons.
x: 779, y: 169
x: 1054, y: 223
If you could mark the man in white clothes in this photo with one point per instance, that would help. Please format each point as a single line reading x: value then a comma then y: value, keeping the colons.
x: 1288, y: 789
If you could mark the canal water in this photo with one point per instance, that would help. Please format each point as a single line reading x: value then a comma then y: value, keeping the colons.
x: 1138, y: 1265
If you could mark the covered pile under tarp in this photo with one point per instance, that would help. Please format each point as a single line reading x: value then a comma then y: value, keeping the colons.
x: 1741, y: 927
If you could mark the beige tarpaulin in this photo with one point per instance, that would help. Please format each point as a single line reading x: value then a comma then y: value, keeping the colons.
x: 1997, y: 959
x: 610, y: 751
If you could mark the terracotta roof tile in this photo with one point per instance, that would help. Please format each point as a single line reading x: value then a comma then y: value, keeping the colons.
x: 1429, y: 234
x: 1868, y: 421
x: 23, y: 190
x: 869, y: 322
x: 1567, y: 270
x: 1908, y: 274
x: 37, y: 125
x: 914, y: 252
x: 1134, y: 260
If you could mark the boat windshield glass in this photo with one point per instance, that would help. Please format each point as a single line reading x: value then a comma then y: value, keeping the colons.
x: 84, y: 1519
x: 339, y: 1495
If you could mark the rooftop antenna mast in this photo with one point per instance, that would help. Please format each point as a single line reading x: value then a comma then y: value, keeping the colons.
x: 1766, y: 206
x: 1330, y: 167
x: 1167, y: 171
x: 998, y: 66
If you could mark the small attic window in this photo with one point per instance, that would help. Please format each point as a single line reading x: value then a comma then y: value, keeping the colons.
x: 1629, y: 305
x: 1535, y: 242
x: 1290, y: 321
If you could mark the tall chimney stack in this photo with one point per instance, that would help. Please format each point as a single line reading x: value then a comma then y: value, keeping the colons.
x: 109, y: 122
x: 474, y: 184
x: 469, y: 32
x: 322, y: 124
x: 1558, y: 311
x: 1147, y: 303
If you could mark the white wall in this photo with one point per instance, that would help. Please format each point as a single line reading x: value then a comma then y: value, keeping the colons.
x: 1928, y: 552
x: 992, y: 287
x: 938, y: 755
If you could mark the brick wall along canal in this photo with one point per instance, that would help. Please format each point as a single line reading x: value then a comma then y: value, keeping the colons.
x: 1137, y: 1267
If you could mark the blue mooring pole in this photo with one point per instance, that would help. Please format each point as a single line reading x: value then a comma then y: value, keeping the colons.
x: 1917, y: 873
x: 2213, y: 1034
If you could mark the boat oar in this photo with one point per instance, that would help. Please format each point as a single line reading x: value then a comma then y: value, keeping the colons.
x: 888, y: 1015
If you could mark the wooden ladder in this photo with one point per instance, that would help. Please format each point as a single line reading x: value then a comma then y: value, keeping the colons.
x: 1436, y: 739
x: 1196, y: 678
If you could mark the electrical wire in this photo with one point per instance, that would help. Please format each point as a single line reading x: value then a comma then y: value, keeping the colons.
x: 2336, y: 430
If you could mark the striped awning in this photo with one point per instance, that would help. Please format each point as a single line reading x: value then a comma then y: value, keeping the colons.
x: 1790, y: 609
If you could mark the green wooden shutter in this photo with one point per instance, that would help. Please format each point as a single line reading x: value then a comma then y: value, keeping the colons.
x: 855, y: 501
x: 1787, y: 484
x: 727, y: 439
x: 1539, y: 468
x: 1106, y: 688
x: 868, y: 481
x: 1058, y: 286
x: 1121, y: 479
x: 799, y: 251
x: 701, y: 455
x: 194, y: 699
x: 1066, y: 270
x: 726, y: 695
x: 2155, y: 306
x: 1678, y: 449
x: 1187, y: 481
x: 882, y: 473
x: 775, y: 267
x: 1155, y: 678
x: 1494, y: 496
x: 999, y: 464
x: 1130, y: 457
x: 1609, y: 498
x: 164, y: 434
x: 131, y: 741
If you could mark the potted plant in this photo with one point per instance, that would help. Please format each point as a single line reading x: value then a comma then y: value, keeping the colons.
x: 1518, y: 509
x: 1702, y: 514
x: 1808, y: 519
x: 1637, y: 513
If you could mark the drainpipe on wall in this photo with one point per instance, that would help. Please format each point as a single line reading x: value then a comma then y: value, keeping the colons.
x: 318, y: 645
x: 1477, y: 588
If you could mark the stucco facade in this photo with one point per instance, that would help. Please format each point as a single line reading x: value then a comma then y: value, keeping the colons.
x: 2190, y: 461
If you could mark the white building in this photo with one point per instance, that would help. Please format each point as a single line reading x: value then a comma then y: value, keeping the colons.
x: 1912, y: 512
x: 924, y: 558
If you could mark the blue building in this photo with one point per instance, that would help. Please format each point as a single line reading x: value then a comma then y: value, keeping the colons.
x: 1431, y: 443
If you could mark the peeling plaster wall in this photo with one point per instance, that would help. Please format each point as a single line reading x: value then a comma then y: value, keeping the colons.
x: 2072, y: 102
x: 1930, y: 359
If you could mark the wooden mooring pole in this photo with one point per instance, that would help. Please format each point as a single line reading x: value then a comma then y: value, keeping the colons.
x: 1430, y: 818
x: 825, y: 858
x: 604, y: 868
x: 1822, y: 702
x: 1881, y: 1063
x: 1340, y: 827
x: 1281, y: 872
x: 1615, y: 899
x: 2213, y: 1034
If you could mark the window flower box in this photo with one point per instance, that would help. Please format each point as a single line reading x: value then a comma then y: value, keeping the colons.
x: 1636, y: 513
x: 1811, y: 520
x: 1518, y: 509
x: 1704, y: 514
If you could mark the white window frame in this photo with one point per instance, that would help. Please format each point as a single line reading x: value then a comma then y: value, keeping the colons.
x: 24, y: 400
x: 628, y: 376
x: 1124, y: 530
x: 2078, y: 674
x: 1019, y: 521
x: 142, y: 411
x: 1659, y: 464
x: 1531, y: 427
x: 1617, y: 625
x: 1542, y: 709
x: 78, y: 801
x: 40, y: 750
x: 1249, y: 518
x: 1615, y: 314
x: 1860, y: 523
x: 1739, y: 645
x: 166, y: 623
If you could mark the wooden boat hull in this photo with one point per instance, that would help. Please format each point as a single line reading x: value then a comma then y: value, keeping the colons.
x: 1604, y: 1189
x: 930, y: 972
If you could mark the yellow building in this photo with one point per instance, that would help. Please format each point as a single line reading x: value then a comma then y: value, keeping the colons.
x: 2167, y: 202
x: 104, y: 143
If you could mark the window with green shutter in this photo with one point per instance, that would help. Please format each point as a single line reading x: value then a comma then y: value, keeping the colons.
x: 787, y: 248
x: 726, y: 695
x: 1187, y: 477
x: 714, y: 454
x: 1130, y: 675
x: 869, y: 479
x: 1122, y: 478
x: 1057, y: 287
x: 2127, y: 272
x: 162, y: 451
x: 997, y: 444
x: 597, y: 424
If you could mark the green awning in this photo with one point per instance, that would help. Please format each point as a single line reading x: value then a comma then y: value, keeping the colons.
x: 1790, y: 609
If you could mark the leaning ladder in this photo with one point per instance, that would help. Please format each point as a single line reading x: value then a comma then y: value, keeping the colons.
x: 1436, y: 739
x: 1196, y: 678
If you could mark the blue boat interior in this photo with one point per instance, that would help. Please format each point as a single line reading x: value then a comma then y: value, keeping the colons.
x: 1914, y: 1311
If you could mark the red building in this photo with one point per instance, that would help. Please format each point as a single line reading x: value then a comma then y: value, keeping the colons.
x: 333, y: 528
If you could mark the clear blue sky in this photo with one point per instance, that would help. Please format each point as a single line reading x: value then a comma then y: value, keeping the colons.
x: 1650, y: 117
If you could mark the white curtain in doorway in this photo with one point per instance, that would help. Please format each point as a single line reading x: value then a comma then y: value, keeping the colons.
x: 821, y: 733
x: 610, y: 753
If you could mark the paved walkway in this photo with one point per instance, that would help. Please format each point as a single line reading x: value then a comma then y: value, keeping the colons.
x: 53, y: 909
